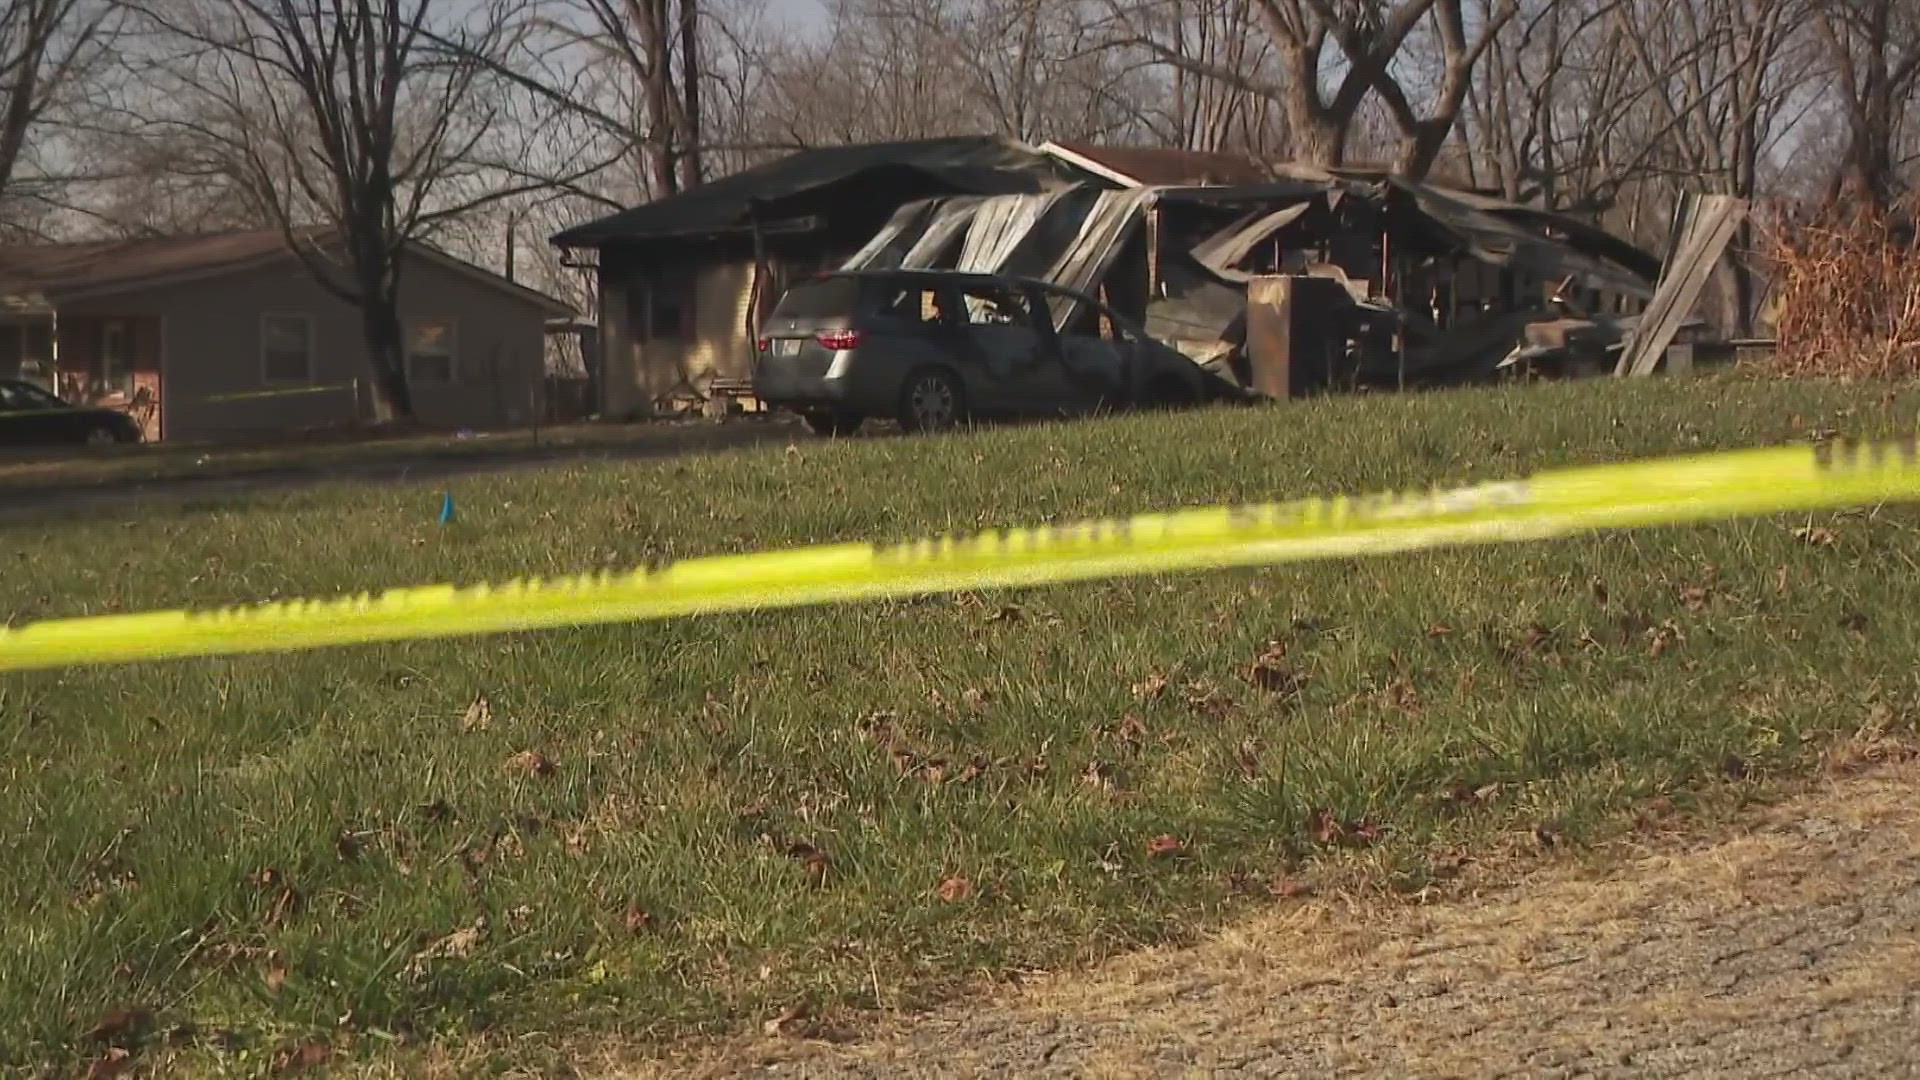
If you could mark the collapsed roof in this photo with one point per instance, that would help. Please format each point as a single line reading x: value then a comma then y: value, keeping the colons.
x: 1071, y: 236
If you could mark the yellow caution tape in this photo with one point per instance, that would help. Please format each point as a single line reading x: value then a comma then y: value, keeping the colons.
x: 216, y: 399
x: 294, y: 391
x: 1658, y: 492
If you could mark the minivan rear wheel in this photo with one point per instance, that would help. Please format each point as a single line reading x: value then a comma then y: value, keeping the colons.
x: 931, y: 400
x: 829, y: 424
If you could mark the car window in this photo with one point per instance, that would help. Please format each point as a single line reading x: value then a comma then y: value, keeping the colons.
x: 19, y: 397
x: 1090, y: 317
x: 913, y: 303
x: 820, y: 298
x: 997, y: 305
x: 32, y: 397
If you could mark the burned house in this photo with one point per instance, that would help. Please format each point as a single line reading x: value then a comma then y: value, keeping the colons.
x: 1280, y: 278
x: 1383, y: 280
x: 684, y: 279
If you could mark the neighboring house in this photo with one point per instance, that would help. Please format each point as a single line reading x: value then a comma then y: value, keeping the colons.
x: 229, y: 335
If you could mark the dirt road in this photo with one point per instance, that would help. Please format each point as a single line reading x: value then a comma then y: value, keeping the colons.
x: 1788, y: 945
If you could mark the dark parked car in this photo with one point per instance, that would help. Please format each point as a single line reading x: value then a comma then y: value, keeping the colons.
x: 931, y: 348
x: 29, y: 416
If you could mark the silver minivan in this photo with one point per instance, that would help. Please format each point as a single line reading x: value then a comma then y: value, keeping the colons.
x: 932, y: 348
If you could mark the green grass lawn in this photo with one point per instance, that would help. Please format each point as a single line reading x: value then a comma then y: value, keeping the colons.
x: 692, y: 826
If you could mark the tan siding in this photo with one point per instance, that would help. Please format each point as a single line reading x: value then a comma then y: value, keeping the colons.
x: 212, y: 347
x: 620, y: 387
x: 640, y: 373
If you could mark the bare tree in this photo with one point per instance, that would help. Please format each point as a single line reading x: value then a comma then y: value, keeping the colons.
x: 1322, y: 99
x: 46, y: 48
x: 1873, y: 47
x: 1027, y: 69
x: 343, y: 122
x: 624, y: 79
x: 1198, y: 112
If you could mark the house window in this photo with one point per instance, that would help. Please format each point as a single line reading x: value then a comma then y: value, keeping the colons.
x: 286, y: 348
x: 116, y: 364
x: 660, y: 307
x: 430, y: 349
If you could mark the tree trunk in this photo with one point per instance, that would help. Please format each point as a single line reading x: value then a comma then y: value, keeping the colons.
x: 1420, y: 148
x: 662, y: 108
x: 377, y: 281
x: 387, y: 352
x: 692, y: 168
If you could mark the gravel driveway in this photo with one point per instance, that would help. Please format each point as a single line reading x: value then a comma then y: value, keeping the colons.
x: 1786, y: 945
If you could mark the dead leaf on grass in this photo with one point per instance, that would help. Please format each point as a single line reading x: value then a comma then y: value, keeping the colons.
x: 1469, y: 796
x: 1439, y: 630
x: 114, y: 1062
x: 955, y: 889
x: 122, y: 1025
x: 1206, y: 700
x: 1537, y: 639
x: 638, y: 919
x: 1271, y: 673
x: 458, y: 945
x: 276, y: 976
x: 1401, y: 694
x: 1151, y: 688
x: 1098, y: 776
x: 1008, y: 613
x: 532, y: 763
x: 817, y: 863
x: 789, y: 1023
x: 1247, y: 757
x: 1663, y: 639
x: 479, y: 715
x: 1290, y: 889
x: 1166, y: 846
x: 304, y: 1057
x: 286, y: 899
x: 1816, y: 535
x: 1130, y: 732
x: 881, y: 728
x: 1327, y: 828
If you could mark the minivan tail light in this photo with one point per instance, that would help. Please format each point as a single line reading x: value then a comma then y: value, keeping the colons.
x: 839, y: 340
x: 766, y: 344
